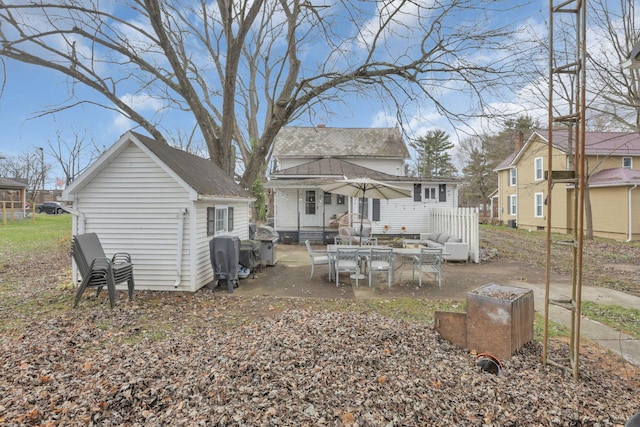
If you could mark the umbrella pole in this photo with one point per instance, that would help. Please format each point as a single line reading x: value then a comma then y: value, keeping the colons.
x: 361, y: 219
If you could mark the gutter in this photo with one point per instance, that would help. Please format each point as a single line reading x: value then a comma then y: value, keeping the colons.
x: 630, y: 214
x: 182, y: 213
x: 224, y: 199
x: 80, y: 215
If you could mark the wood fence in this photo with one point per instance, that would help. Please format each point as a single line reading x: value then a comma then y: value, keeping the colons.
x: 460, y: 222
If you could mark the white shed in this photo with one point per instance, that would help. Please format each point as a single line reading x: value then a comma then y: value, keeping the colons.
x: 160, y: 204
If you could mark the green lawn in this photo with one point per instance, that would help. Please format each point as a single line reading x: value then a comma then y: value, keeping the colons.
x: 39, y: 236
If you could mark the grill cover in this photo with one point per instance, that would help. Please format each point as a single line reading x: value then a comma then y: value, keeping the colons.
x: 225, y: 253
x: 250, y: 253
x: 266, y: 233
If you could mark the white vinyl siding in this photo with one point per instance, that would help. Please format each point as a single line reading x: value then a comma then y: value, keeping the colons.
x: 394, y: 213
x: 538, y: 203
x: 135, y: 206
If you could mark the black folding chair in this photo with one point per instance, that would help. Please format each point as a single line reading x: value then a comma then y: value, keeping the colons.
x: 99, y: 271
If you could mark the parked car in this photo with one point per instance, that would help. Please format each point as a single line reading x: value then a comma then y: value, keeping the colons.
x: 50, y: 208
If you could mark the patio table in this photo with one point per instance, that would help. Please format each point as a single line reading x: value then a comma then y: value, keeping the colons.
x: 402, y: 253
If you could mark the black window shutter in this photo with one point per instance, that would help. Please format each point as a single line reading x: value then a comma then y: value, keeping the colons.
x: 442, y: 197
x: 376, y: 209
x: 417, y: 192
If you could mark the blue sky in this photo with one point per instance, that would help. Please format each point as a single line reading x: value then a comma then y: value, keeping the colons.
x: 30, y: 90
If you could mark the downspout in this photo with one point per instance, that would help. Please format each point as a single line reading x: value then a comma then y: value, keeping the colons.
x: 80, y: 228
x: 630, y: 214
x: 81, y: 218
x: 181, y: 214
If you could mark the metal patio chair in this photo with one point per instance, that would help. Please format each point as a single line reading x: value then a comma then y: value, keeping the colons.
x: 429, y: 261
x: 318, y: 258
x: 97, y: 270
x: 347, y: 261
x: 380, y: 260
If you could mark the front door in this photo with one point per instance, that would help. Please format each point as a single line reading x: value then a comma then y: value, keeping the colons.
x: 310, y: 216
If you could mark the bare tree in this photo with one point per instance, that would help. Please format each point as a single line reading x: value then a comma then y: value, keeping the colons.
x: 70, y: 156
x: 244, y: 69
x: 615, y: 90
x: 30, y: 166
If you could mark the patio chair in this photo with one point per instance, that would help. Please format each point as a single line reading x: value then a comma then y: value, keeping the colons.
x: 318, y: 258
x: 371, y: 241
x: 381, y: 259
x: 429, y: 261
x: 97, y: 270
x: 347, y: 261
x: 342, y: 240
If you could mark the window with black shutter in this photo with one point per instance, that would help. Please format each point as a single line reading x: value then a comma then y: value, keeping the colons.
x: 417, y: 192
x: 376, y: 210
x: 443, y: 192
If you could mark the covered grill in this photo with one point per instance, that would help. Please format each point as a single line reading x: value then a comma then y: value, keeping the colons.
x: 250, y: 255
x: 268, y: 238
x: 225, y: 254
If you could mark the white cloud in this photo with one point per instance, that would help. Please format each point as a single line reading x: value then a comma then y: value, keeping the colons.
x: 141, y: 103
x: 402, y: 24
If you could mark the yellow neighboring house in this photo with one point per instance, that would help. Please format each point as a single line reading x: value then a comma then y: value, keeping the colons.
x: 613, y: 177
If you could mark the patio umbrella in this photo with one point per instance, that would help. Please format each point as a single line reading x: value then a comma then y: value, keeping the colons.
x: 365, y: 188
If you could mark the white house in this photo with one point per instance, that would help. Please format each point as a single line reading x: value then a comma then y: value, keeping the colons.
x: 161, y: 205
x: 307, y: 157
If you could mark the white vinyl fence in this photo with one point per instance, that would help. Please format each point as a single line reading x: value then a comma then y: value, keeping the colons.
x: 460, y: 222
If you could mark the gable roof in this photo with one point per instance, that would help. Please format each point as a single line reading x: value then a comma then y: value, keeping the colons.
x: 6, y: 183
x: 506, y: 163
x: 331, y: 167
x: 295, y: 141
x: 615, y: 144
x: 197, y: 173
x: 598, y: 143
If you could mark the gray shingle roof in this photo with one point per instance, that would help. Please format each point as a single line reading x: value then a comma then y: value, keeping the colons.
x: 294, y: 141
x: 201, y: 174
x: 7, y: 183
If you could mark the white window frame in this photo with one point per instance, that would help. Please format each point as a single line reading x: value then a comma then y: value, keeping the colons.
x: 221, y: 221
x: 513, y: 204
x: 513, y: 177
x: 538, y: 166
x: 538, y: 205
x: 430, y: 194
x: 630, y: 165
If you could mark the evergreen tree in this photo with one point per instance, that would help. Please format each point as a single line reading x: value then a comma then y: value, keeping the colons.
x: 433, y: 159
x: 482, y: 154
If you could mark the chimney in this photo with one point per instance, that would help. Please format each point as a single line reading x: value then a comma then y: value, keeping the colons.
x: 321, y: 125
x: 519, y: 141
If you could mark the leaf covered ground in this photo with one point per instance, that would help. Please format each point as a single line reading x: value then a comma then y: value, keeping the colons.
x: 214, y: 359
